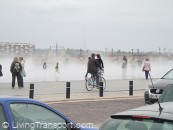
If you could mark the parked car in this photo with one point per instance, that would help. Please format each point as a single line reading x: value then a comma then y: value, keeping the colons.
x: 167, y: 95
x: 154, y: 91
x: 29, y: 114
x: 148, y: 117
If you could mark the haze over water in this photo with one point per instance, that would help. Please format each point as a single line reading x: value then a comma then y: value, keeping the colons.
x: 74, y: 69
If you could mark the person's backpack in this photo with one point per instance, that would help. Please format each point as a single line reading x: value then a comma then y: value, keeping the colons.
x: 16, y: 67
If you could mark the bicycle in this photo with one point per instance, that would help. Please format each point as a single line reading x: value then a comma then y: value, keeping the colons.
x: 90, y: 82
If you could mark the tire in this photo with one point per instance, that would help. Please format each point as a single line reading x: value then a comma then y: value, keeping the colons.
x: 88, y: 87
x: 104, y: 83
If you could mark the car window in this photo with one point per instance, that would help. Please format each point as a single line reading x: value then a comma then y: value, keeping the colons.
x: 3, y: 120
x: 167, y: 94
x: 168, y: 75
x: 132, y: 124
x: 31, y: 116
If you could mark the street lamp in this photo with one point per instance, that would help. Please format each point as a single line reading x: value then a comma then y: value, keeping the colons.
x: 132, y: 51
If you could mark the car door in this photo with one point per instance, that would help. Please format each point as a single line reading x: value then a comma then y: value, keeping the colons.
x: 32, y: 116
x: 3, y: 119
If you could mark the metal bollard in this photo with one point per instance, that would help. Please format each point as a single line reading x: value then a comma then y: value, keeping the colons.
x: 101, y: 89
x: 67, y: 89
x: 130, y: 87
x: 31, y: 91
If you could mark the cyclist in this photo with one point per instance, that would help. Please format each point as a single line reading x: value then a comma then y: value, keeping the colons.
x: 93, y: 66
x: 87, y: 68
x: 100, y: 61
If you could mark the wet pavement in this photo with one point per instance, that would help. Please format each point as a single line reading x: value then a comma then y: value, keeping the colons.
x: 56, y: 91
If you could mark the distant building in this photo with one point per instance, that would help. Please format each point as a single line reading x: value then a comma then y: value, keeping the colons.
x: 16, y: 48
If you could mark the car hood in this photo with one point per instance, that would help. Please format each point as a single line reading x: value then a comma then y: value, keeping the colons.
x: 161, y: 83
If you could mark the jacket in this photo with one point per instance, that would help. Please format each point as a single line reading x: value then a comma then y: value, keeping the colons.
x: 93, y: 66
x: 147, y: 66
x: 13, y: 68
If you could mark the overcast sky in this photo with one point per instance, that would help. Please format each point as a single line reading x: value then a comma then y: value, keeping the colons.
x: 89, y: 24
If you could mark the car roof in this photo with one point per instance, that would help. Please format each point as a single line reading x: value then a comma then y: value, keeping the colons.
x: 9, y: 98
x: 151, y: 110
x: 5, y: 99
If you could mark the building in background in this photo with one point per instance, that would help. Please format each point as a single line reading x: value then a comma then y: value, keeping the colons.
x: 16, y: 48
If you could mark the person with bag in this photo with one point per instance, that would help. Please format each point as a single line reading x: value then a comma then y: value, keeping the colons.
x: 15, y: 69
x: 1, y: 70
x: 22, y: 73
x: 146, y: 68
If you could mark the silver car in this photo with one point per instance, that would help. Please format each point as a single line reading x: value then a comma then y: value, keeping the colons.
x: 154, y: 91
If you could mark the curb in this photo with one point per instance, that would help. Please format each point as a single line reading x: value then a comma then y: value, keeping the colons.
x: 94, y: 99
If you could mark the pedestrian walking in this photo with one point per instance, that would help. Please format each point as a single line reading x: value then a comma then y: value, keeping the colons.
x: 146, y: 68
x: 124, y: 66
x: 44, y: 65
x: 1, y: 70
x: 22, y: 73
x: 57, y: 67
x: 15, y: 69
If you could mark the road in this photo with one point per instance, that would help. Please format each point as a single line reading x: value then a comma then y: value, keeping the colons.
x: 96, y: 111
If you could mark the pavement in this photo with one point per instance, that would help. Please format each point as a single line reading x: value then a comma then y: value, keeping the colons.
x: 56, y: 91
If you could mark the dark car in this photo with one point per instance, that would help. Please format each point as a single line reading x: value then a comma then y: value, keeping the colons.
x: 154, y: 91
x: 29, y: 114
x: 149, y: 117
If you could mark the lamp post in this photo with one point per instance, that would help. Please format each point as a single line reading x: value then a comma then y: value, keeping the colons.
x: 132, y: 51
x: 56, y: 48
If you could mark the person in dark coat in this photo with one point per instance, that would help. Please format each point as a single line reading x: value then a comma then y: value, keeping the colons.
x: 87, y: 68
x: 1, y: 70
x: 15, y: 69
x: 100, y: 61
x: 93, y: 68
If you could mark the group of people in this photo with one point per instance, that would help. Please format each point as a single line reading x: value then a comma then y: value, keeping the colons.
x: 56, y: 66
x: 94, y: 65
x: 145, y: 68
x: 18, y: 71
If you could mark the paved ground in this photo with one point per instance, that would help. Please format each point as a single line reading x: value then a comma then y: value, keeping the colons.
x: 55, y: 91
x: 96, y: 111
x: 84, y: 106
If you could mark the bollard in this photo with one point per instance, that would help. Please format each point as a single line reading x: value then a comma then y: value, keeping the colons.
x: 130, y: 87
x: 67, y: 89
x: 101, y: 89
x: 31, y: 91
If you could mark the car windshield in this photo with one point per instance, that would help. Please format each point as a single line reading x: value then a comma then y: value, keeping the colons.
x: 167, y: 94
x: 168, y: 75
x: 136, y: 124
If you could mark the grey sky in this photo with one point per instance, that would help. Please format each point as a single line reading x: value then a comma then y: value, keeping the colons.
x: 90, y: 24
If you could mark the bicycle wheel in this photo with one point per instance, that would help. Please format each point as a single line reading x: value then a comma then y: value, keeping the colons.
x: 88, y: 84
x: 104, y: 82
